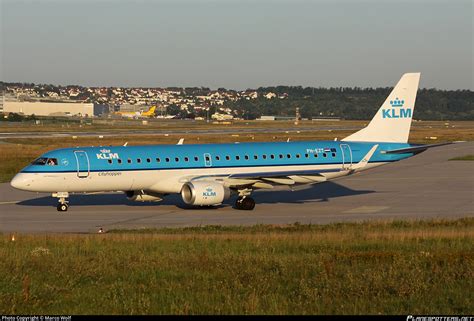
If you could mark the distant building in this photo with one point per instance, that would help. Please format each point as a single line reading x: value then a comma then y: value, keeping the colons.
x: 2, y: 99
x: 49, y: 109
x: 270, y: 95
x: 218, y: 116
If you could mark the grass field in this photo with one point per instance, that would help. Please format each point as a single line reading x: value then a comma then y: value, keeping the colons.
x: 464, y: 158
x: 16, y: 153
x: 419, y: 267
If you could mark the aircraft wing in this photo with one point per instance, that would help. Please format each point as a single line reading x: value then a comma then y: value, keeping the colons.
x: 265, y: 179
x: 269, y: 179
x: 413, y: 149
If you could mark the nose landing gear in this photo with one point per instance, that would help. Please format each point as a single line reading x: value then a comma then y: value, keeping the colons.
x: 63, y: 202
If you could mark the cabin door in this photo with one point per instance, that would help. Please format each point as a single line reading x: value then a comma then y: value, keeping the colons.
x: 83, y: 166
x: 346, y: 156
x: 207, y: 160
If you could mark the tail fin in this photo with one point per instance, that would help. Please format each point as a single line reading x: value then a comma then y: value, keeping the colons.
x: 152, y: 110
x: 393, y: 120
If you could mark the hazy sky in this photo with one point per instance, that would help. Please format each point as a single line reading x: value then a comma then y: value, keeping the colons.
x: 237, y: 44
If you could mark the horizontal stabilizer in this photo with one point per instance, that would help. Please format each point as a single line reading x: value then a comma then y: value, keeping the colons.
x: 413, y: 149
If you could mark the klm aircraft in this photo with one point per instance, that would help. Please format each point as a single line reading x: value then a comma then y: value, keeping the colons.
x: 208, y: 174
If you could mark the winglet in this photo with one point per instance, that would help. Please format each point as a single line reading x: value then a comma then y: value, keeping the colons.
x: 181, y: 141
x: 363, y: 162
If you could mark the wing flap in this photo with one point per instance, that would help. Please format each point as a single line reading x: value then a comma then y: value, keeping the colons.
x: 283, y: 173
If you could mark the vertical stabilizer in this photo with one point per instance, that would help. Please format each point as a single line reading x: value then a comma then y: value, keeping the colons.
x: 392, y: 121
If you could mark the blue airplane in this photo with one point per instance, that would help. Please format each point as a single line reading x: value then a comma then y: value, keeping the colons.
x: 208, y: 174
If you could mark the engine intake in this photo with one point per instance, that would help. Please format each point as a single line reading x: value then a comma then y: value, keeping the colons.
x: 204, y: 193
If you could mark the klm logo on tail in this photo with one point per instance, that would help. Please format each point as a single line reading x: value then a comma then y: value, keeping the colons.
x: 397, y: 110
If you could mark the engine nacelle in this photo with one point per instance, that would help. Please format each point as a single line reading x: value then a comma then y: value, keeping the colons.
x: 141, y: 196
x: 204, y: 193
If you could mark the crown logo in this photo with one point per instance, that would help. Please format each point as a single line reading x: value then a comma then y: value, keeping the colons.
x: 397, y: 102
x: 209, y: 189
x: 105, y: 150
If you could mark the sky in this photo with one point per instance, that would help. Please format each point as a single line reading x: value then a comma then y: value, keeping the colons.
x: 237, y: 44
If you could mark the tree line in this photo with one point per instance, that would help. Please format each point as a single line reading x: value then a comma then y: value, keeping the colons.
x: 353, y: 103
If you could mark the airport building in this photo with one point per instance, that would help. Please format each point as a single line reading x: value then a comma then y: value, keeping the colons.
x: 38, y: 108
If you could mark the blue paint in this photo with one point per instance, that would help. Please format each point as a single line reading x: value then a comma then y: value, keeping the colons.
x: 193, y: 156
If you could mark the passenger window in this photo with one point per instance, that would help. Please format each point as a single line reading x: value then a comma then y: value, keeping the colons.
x: 208, y: 158
x: 227, y: 157
x: 110, y: 161
x: 176, y: 159
x: 237, y: 157
x: 333, y: 154
x: 315, y: 155
x: 298, y: 156
x: 246, y: 157
x: 158, y: 160
x: 324, y: 155
x: 255, y: 156
x: 139, y: 160
x: 306, y: 155
x: 186, y: 159
x: 129, y: 161
x: 148, y: 160
x: 281, y: 155
x: 264, y: 156
x: 272, y: 156
x: 196, y: 158
x: 218, y: 158
x: 288, y: 156
x: 167, y: 159
x: 119, y: 161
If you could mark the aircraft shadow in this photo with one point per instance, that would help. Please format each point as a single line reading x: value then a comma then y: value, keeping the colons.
x: 313, y: 193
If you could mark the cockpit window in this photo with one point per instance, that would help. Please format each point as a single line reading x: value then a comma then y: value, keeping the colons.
x: 45, y: 161
x: 40, y: 161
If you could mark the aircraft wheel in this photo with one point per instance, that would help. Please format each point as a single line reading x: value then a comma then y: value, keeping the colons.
x: 62, y: 207
x: 245, y: 203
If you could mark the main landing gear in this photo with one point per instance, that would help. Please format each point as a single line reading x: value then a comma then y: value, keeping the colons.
x: 245, y: 203
x: 63, y: 202
x: 62, y: 207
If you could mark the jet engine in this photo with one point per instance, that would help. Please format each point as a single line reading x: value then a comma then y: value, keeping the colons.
x: 204, y: 193
x: 143, y: 196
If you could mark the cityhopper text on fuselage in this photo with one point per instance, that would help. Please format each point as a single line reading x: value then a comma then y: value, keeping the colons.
x: 209, y: 174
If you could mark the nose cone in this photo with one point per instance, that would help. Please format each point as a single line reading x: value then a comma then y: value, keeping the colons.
x: 22, y: 181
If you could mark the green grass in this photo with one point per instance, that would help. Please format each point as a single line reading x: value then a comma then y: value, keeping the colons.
x: 465, y: 158
x: 400, y: 267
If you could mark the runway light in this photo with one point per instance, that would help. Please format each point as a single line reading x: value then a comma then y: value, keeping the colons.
x: 13, y: 238
x: 101, y: 230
